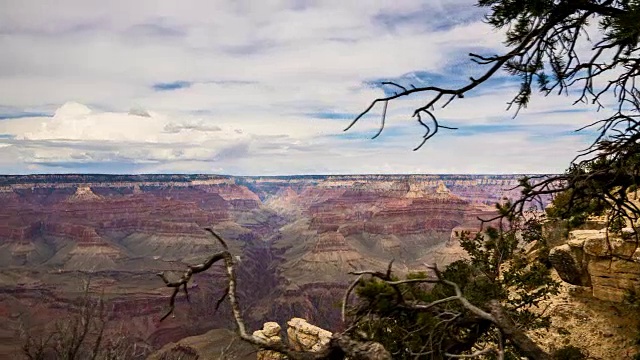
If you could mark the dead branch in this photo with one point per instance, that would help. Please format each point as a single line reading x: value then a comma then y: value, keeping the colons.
x: 345, y: 299
x: 78, y: 336
x: 511, y: 331
x: 340, y: 346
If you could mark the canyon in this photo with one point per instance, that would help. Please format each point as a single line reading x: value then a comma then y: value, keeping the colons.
x: 296, y: 238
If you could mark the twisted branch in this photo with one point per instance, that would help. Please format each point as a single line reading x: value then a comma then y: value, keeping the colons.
x: 339, y: 347
x: 496, y: 315
x: 544, y: 41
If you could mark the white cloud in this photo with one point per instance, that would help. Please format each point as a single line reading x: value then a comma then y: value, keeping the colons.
x: 77, y: 137
x: 260, y: 75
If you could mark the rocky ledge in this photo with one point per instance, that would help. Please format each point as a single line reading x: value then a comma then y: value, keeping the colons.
x: 608, y: 263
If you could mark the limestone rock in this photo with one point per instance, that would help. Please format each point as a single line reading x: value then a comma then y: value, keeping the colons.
x: 595, y: 241
x: 628, y: 233
x: 611, y: 279
x: 271, y: 334
x: 271, y: 329
x: 306, y: 337
x: 622, y: 248
x: 576, y: 242
x: 568, y: 264
x: 609, y: 263
x: 302, y: 337
x: 442, y: 188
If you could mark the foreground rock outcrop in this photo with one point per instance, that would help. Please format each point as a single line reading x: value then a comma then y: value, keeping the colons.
x: 301, y: 336
x: 270, y: 332
x: 609, y: 263
x: 225, y: 344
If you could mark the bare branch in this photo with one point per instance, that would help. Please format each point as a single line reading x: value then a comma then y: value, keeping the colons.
x: 540, y: 42
x: 341, y: 345
x: 347, y: 293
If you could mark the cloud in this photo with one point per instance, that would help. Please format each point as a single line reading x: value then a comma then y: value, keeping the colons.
x: 256, y: 87
x: 200, y: 126
x: 78, y: 138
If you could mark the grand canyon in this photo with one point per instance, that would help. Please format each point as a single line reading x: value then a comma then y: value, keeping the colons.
x: 296, y: 239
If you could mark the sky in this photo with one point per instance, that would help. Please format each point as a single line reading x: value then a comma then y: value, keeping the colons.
x: 261, y: 88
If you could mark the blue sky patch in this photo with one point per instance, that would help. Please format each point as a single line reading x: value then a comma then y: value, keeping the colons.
x: 332, y: 115
x: 169, y: 86
x: 20, y: 115
x: 431, y: 18
x: 154, y: 29
x: 455, y: 74
x: 572, y: 110
x: 534, y: 130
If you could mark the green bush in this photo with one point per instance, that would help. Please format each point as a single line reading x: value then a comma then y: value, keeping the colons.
x: 497, y: 269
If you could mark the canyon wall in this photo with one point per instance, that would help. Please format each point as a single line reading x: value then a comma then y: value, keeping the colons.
x: 296, y: 239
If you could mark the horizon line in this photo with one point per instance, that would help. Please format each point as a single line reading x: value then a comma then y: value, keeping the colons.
x: 279, y: 175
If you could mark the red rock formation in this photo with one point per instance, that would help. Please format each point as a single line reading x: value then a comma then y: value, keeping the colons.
x: 18, y: 233
x: 297, y: 239
x: 79, y: 234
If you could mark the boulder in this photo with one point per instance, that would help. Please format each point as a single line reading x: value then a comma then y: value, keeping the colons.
x: 271, y: 334
x: 271, y: 329
x: 306, y: 337
x: 568, y: 263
